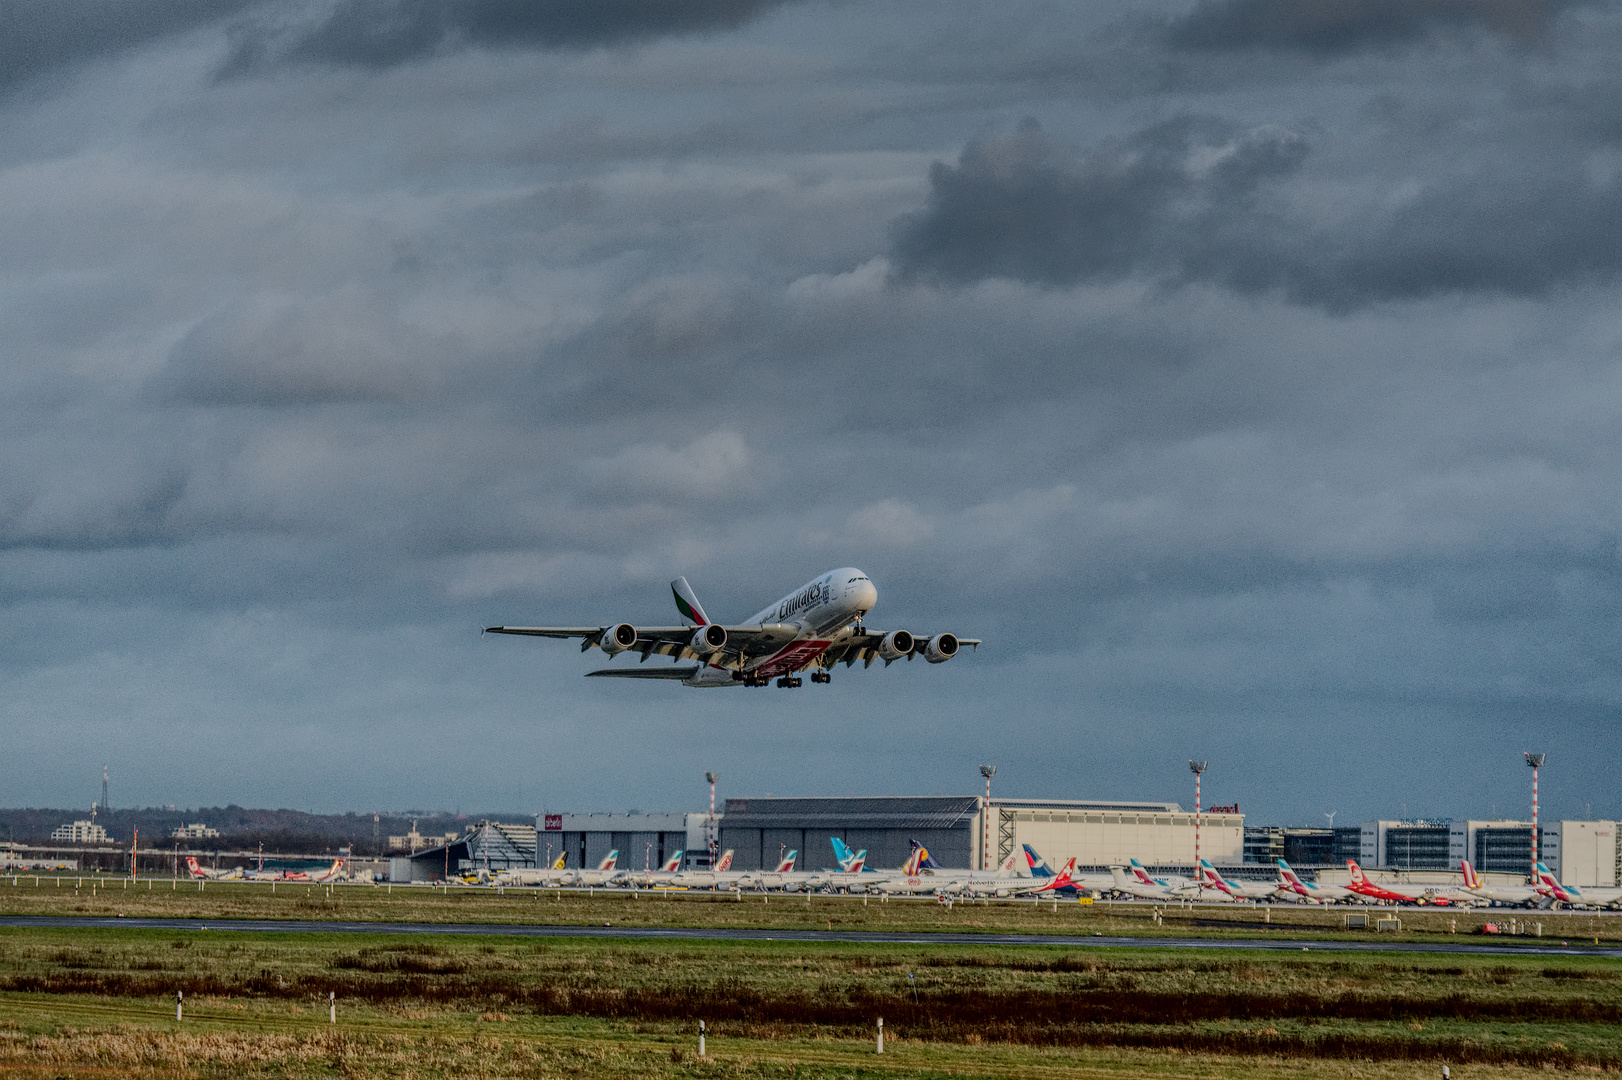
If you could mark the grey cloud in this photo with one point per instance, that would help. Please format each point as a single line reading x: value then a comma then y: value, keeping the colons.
x: 1026, y: 207
x: 1329, y: 28
x: 380, y: 34
x: 41, y: 37
x: 1193, y: 202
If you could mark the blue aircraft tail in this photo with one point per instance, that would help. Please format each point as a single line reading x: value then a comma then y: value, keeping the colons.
x: 1038, y: 865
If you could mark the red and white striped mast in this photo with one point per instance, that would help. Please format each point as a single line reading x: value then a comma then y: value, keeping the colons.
x: 987, y: 771
x: 1536, y: 761
x: 1196, y: 767
x: 710, y: 830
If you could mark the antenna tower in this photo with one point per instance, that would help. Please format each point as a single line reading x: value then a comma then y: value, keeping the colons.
x: 1197, y: 768
x: 106, y: 806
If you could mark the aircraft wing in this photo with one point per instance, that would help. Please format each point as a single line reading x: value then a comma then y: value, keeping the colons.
x: 743, y: 642
x: 865, y: 647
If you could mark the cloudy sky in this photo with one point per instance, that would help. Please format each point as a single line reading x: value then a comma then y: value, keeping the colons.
x: 1248, y: 374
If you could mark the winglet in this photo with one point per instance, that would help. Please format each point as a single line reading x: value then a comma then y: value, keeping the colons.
x: 687, y: 603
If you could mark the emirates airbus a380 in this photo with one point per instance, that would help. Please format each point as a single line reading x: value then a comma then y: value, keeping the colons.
x: 816, y: 626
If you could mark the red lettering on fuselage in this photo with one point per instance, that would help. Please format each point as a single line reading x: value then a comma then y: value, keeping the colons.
x: 790, y: 659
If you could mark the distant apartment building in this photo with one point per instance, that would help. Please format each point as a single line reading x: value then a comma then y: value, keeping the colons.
x: 80, y: 832
x: 194, y: 831
x: 414, y: 841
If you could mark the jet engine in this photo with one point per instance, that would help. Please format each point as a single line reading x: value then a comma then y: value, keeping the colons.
x: 896, y: 644
x: 941, y: 648
x: 617, y: 638
x: 708, y: 639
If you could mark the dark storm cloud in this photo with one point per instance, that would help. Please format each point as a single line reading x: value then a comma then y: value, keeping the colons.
x: 384, y: 33
x: 1026, y: 207
x: 1197, y: 202
x: 41, y: 37
x: 1328, y: 28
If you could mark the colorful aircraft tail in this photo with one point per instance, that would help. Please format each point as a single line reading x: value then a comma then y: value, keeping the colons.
x: 673, y: 863
x: 787, y: 864
x: 608, y: 863
x: 1569, y: 894
x: 562, y: 861
x: 1357, y: 872
x: 191, y: 865
x: 687, y: 603
x: 857, y: 862
x: 925, y: 860
x: 843, y: 855
x: 1039, y: 866
x: 1472, y: 880
x: 1061, y: 880
x: 1141, y: 874
x: 1292, y: 879
x: 725, y: 862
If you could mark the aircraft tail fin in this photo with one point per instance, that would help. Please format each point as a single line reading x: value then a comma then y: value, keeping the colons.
x: 725, y: 862
x: 562, y: 861
x: 1037, y: 864
x: 1357, y: 872
x: 673, y: 863
x: 788, y: 861
x: 1288, y: 874
x: 191, y: 865
x: 608, y: 863
x: 1143, y: 875
x: 842, y: 854
x: 1472, y: 880
x: 687, y: 603
x: 1062, y: 879
x: 1118, y: 875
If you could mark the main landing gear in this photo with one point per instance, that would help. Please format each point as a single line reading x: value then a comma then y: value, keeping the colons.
x: 789, y: 681
x: 822, y: 676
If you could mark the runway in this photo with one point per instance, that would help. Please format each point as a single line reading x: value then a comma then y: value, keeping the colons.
x: 1516, y: 947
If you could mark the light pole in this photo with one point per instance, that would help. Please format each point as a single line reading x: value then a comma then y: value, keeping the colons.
x: 1196, y: 767
x: 987, y: 771
x: 1536, y: 762
x: 710, y: 830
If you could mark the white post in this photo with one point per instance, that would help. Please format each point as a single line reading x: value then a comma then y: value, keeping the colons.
x: 332, y: 1006
x: 179, y: 996
x: 881, y: 1035
x: 701, y: 1038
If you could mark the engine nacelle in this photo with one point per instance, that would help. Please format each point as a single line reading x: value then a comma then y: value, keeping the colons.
x: 708, y: 639
x: 895, y: 645
x: 941, y: 648
x: 617, y: 638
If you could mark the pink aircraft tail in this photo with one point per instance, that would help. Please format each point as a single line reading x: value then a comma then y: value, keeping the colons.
x: 787, y: 865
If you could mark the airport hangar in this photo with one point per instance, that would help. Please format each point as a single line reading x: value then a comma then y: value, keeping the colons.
x: 957, y: 832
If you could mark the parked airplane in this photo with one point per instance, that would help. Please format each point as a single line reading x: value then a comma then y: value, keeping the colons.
x: 1237, y: 890
x: 1314, y: 892
x: 556, y: 874
x: 203, y: 873
x: 847, y: 858
x: 816, y: 626
x: 1141, y: 885
x: 660, y: 876
x: 1078, y: 882
x: 720, y: 876
x: 1398, y: 894
x: 782, y: 876
x: 604, y: 874
x: 851, y: 876
x: 1594, y: 896
x: 1529, y: 895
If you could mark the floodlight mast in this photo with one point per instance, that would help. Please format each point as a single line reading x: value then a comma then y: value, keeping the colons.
x: 710, y: 825
x: 1196, y: 767
x: 1536, y: 762
x: 987, y: 771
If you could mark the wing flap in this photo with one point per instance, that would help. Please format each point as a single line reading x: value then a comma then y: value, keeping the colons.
x: 646, y: 673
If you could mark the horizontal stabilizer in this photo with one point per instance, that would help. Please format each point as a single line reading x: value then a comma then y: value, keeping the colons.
x: 647, y: 673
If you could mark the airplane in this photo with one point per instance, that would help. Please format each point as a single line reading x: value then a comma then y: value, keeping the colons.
x: 782, y: 876
x: 604, y: 874
x: 816, y: 626
x: 1311, y: 891
x: 661, y: 875
x: 545, y: 875
x: 1595, y: 896
x: 1141, y: 885
x: 203, y: 873
x: 721, y: 876
x: 1238, y: 890
x: 1528, y: 895
x: 1398, y: 894
x: 845, y: 856
x: 1039, y: 868
x: 852, y: 875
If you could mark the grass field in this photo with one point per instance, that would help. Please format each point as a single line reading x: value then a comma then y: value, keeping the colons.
x: 82, y: 1002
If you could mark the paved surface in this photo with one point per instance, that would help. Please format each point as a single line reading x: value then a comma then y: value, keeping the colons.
x: 1511, y: 947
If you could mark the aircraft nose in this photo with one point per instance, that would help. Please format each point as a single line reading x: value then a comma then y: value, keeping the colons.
x: 866, y: 596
